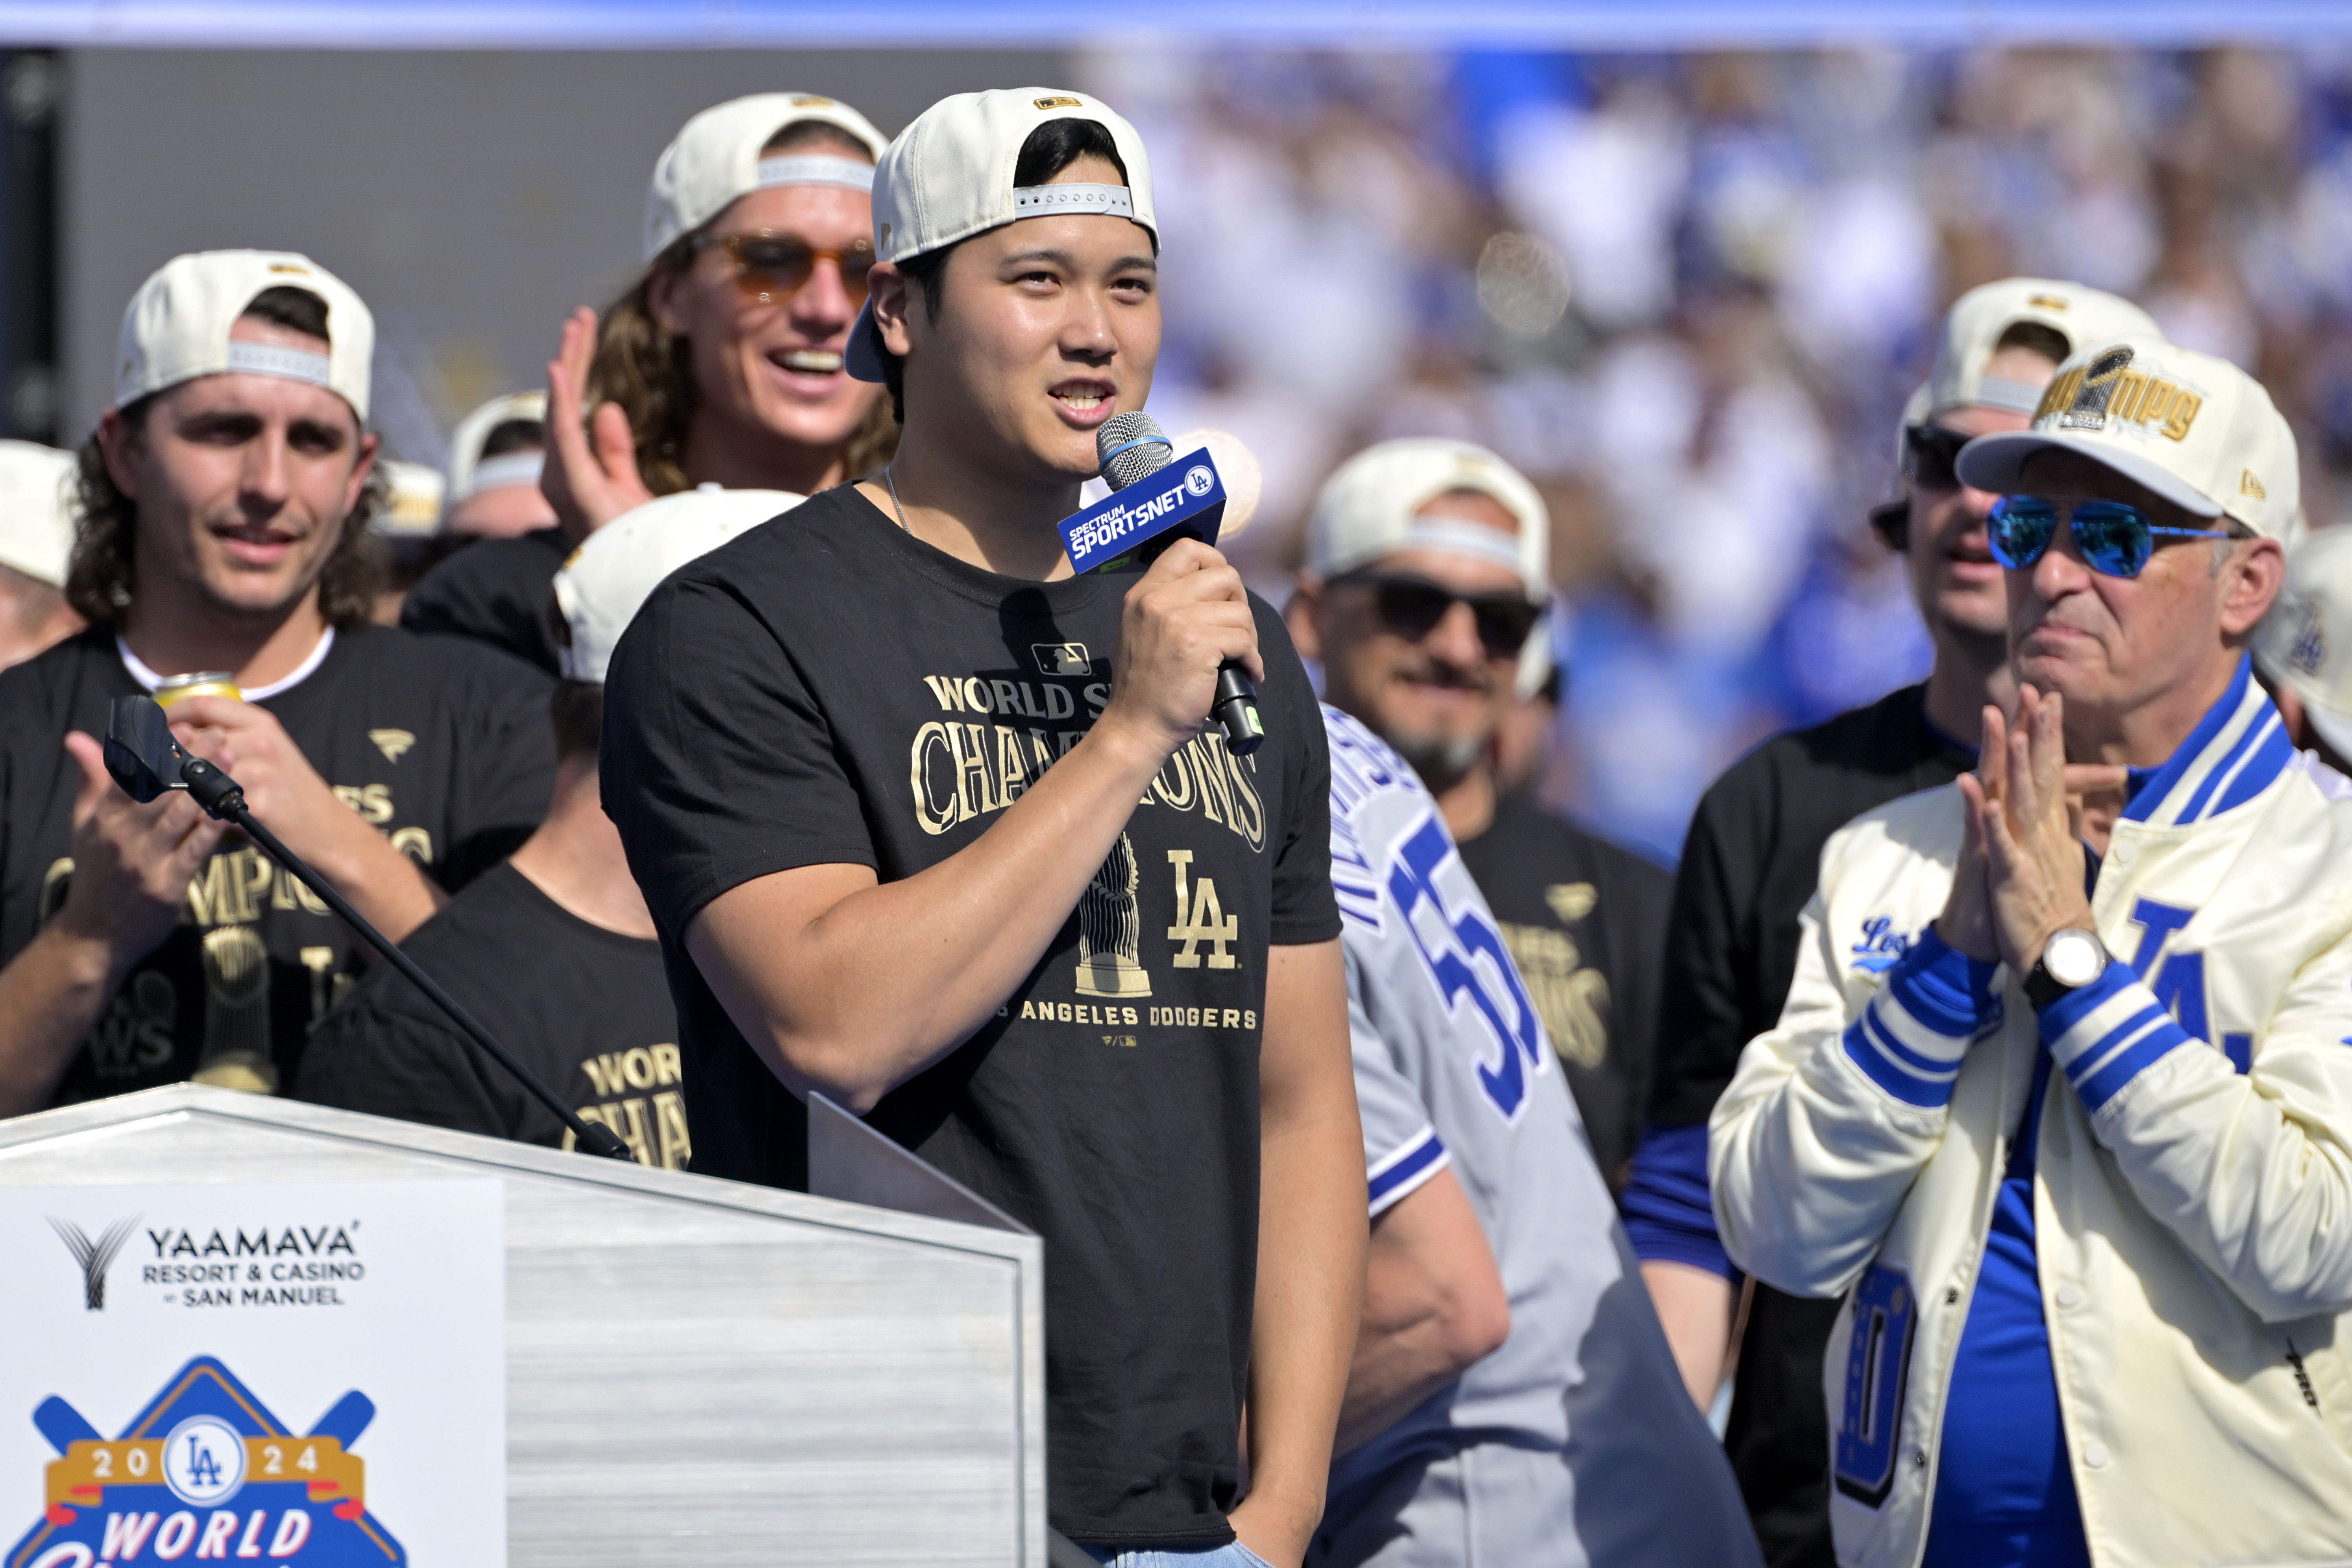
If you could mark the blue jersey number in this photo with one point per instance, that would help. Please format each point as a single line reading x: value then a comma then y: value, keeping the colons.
x: 1412, y: 878
x: 1877, y: 1366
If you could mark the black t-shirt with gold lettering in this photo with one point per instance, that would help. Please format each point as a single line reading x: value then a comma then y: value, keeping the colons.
x: 445, y: 748
x: 835, y: 692
x: 1586, y: 923
x: 585, y: 1008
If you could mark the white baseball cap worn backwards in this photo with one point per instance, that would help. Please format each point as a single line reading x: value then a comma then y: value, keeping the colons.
x: 1369, y: 509
x: 1979, y: 318
x: 176, y: 327
x: 2306, y: 640
x: 949, y: 176
x: 36, y: 510
x: 715, y: 157
x: 607, y: 580
x: 2195, y: 430
x: 471, y: 473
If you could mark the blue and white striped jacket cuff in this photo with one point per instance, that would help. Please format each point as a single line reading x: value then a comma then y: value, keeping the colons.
x: 2108, y: 1033
x: 1404, y: 1168
x: 1909, y: 1040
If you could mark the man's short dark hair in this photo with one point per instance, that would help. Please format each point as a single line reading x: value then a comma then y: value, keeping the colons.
x: 578, y: 708
x: 1050, y: 148
x: 104, y: 572
x: 514, y: 435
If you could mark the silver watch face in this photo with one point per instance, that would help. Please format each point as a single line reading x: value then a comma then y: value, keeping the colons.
x: 2074, y: 958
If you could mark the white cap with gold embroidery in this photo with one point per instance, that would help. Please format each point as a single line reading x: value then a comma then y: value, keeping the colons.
x: 1979, y: 318
x: 1368, y: 510
x: 2306, y: 640
x: 715, y: 157
x: 37, y: 506
x: 471, y: 473
x: 606, y: 581
x: 176, y: 327
x: 2195, y: 430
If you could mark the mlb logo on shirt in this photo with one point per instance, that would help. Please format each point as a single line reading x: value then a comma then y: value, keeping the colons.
x: 1062, y: 659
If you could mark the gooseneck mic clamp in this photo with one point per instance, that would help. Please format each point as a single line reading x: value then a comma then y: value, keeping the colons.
x: 146, y: 760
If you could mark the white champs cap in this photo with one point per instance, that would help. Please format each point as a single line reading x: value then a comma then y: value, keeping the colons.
x: 2306, y: 640
x: 1367, y: 510
x: 471, y: 473
x: 36, y: 510
x: 1974, y: 325
x: 714, y: 158
x: 176, y: 327
x: 949, y: 176
x: 2195, y: 430
x: 601, y: 586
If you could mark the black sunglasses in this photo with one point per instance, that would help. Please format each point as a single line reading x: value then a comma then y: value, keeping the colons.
x: 1930, y: 455
x: 1412, y: 607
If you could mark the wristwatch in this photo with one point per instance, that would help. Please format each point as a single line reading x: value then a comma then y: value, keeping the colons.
x: 2070, y: 960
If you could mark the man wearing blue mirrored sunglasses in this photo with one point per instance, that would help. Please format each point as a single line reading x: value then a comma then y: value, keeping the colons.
x: 2079, y: 1158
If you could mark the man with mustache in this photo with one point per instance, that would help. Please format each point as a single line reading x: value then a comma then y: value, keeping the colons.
x: 1425, y: 583
x: 225, y: 498
x: 2079, y: 1158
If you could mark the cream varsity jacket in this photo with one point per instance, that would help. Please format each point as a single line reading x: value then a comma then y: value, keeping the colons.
x: 2193, y: 1188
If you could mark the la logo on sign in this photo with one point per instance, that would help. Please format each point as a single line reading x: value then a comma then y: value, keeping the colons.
x: 206, y: 1467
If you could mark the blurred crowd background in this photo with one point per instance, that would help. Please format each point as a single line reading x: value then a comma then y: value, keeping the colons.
x: 1687, y: 292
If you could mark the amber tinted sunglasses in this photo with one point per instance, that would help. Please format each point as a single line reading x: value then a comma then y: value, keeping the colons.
x: 769, y: 267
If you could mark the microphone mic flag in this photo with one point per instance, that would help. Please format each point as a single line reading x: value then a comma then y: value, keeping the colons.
x: 1157, y: 498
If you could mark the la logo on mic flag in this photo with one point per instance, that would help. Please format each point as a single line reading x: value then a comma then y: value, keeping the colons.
x: 1187, y: 496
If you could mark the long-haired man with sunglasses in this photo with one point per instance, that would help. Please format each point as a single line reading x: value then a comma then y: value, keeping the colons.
x: 1753, y: 857
x: 2079, y: 1157
x: 931, y: 826
x: 1512, y: 1399
x: 721, y: 365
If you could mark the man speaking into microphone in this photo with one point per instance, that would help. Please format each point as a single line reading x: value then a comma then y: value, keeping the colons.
x: 934, y: 826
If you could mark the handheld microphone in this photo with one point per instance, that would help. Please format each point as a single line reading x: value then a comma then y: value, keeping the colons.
x: 145, y: 761
x: 1142, y: 520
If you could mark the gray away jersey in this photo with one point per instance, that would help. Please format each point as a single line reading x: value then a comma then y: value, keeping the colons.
x: 1574, y: 1443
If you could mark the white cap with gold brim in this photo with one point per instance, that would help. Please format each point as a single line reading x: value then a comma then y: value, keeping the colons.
x: 2195, y: 430
x: 2306, y: 641
x: 1979, y: 318
x: 176, y: 327
x: 601, y: 588
x: 717, y: 156
x: 37, y: 506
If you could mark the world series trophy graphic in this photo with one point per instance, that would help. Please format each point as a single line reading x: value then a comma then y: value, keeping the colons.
x: 1110, y: 930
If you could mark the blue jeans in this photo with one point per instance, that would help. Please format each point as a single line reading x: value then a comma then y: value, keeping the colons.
x: 1234, y: 1556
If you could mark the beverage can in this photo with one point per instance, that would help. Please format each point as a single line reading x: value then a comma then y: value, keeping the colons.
x: 202, y: 683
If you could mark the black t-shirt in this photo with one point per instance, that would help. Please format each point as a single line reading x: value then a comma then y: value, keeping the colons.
x: 1751, y: 862
x: 1586, y: 923
x: 497, y: 590
x: 585, y: 1008
x: 835, y: 692
x: 444, y: 747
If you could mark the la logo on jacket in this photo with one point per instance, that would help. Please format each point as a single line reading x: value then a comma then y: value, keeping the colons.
x: 206, y: 1466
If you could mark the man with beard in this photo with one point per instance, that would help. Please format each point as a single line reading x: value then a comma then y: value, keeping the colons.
x: 1426, y: 575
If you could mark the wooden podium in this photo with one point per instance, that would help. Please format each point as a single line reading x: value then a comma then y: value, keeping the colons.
x: 698, y: 1371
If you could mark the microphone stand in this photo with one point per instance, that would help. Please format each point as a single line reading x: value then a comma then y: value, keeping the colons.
x: 223, y: 799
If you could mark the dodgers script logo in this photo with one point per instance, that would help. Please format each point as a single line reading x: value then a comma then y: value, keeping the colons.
x: 206, y: 1466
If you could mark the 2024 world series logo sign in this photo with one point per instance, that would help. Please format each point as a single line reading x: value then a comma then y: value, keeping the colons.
x: 207, y: 1473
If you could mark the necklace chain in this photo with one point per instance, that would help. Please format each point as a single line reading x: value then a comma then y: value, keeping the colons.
x: 889, y: 480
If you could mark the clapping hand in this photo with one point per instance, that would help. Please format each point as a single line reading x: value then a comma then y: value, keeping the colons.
x: 2020, y: 875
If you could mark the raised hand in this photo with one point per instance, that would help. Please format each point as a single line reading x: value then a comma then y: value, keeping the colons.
x: 588, y: 486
